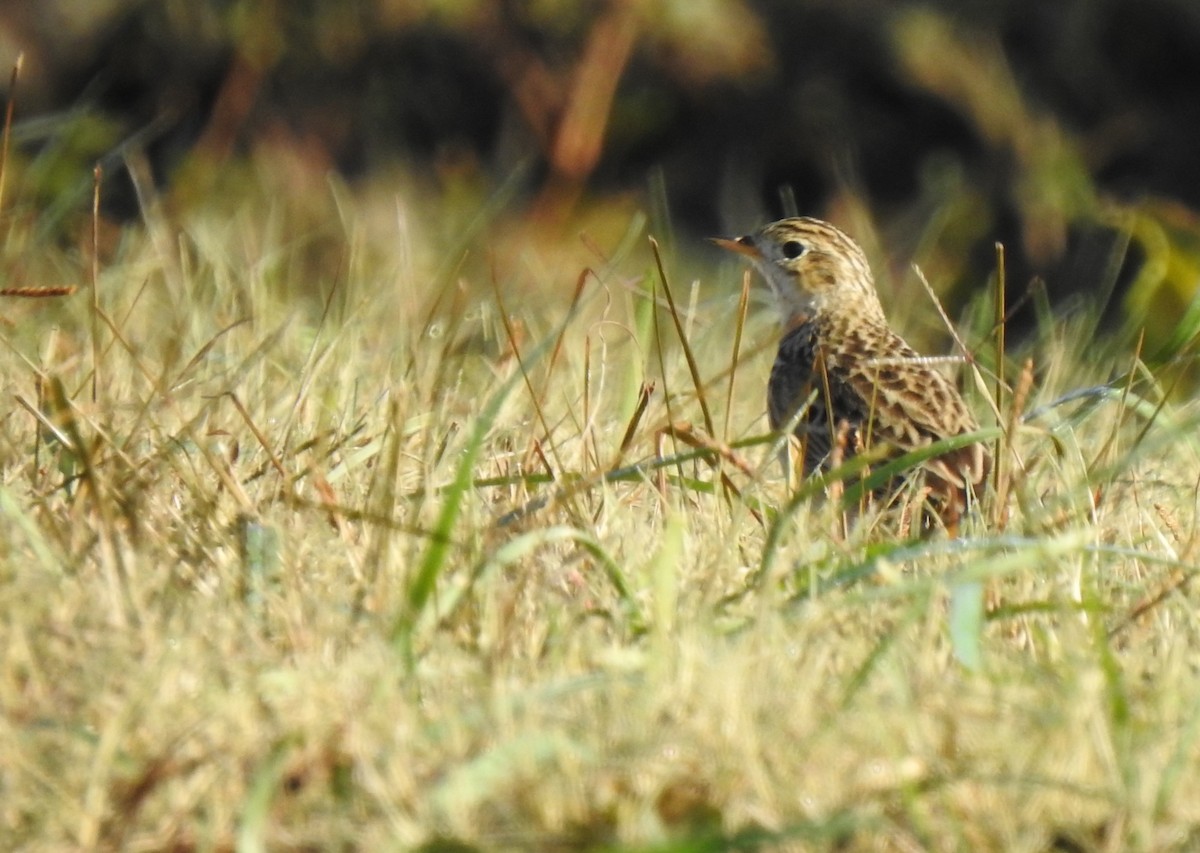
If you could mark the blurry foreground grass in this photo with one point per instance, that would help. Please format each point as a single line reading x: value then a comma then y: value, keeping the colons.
x: 339, y: 559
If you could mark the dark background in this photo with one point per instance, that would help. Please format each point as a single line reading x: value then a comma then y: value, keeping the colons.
x: 1068, y: 130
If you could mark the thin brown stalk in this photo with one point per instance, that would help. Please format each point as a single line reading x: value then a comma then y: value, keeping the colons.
x: 1004, y: 459
x: 47, y: 424
x: 310, y: 361
x: 112, y: 557
x: 836, y: 435
x: 634, y: 420
x: 660, y: 478
x: 1178, y: 581
x: 6, y: 137
x: 997, y: 455
x: 378, y: 550
x: 259, y: 436
x: 1011, y: 309
x: 431, y: 314
x: 937, y: 303
x: 96, y: 173
x: 693, y: 368
x: 429, y: 382
x: 662, y: 370
x: 1106, y: 449
x: 588, y: 435
x: 510, y: 332
x: 328, y: 498
x: 692, y: 438
x: 837, y: 455
x: 739, y: 325
x: 580, y: 281
x: 39, y: 292
x: 1153, y: 419
x: 541, y: 456
x: 640, y: 472
x: 326, y: 443
x: 204, y: 350
x: 120, y: 339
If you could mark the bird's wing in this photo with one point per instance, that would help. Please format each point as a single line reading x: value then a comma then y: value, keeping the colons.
x: 907, y: 402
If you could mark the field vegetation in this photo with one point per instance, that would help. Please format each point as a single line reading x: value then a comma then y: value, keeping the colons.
x: 321, y: 532
x: 424, y: 510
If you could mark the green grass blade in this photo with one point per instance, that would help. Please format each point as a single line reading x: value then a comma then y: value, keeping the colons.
x: 881, y: 474
x: 966, y: 623
x: 12, y: 511
x: 256, y: 810
x: 421, y: 588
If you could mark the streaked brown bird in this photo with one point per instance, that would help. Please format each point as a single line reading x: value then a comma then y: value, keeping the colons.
x: 860, y: 379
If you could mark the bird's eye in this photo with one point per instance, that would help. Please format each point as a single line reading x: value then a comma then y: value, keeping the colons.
x: 793, y: 249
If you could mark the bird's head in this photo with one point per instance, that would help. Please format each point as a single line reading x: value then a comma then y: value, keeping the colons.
x: 811, y: 267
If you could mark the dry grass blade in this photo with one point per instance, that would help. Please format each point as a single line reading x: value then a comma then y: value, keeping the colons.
x: 1108, y: 448
x: 1006, y: 461
x: 685, y: 433
x: 1178, y: 582
x: 710, y: 452
x: 263, y: 442
x: 370, y: 607
x: 204, y: 350
x: 962, y: 347
x: 1001, y: 285
x: 39, y: 292
x: 693, y: 368
x: 95, y: 283
x: 6, y: 138
x: 580, y: 281
x: 46, y: 423
x: 515, y: 348
x: 739, y: 327
x: 635, y: 420
x: 591, y: 454
x: 384, y: 488
x: 719, y: 451
x: 122, y: 606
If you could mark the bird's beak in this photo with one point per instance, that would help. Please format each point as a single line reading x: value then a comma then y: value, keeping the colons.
x: 742, y: 245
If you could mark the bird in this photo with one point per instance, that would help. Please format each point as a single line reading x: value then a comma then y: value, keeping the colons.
x: 850, y: 381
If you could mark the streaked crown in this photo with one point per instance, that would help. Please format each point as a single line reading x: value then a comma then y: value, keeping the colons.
x: 811, y: 267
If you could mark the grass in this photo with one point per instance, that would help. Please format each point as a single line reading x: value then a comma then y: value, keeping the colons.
x: 373, y: 540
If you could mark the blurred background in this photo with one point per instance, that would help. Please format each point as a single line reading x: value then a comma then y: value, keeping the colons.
x: 1069, y: 130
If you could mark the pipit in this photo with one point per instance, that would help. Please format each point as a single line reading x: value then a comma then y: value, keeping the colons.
x: 860, y: 385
